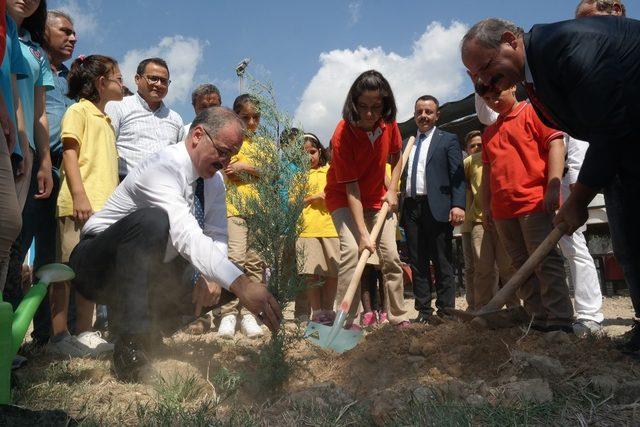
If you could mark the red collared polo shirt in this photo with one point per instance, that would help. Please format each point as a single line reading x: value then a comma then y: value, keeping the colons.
x: 516, y: 147
x: 356, y: 158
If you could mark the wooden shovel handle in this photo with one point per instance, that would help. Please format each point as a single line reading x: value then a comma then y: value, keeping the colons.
x: 345, y: 305
x: 524, y: 272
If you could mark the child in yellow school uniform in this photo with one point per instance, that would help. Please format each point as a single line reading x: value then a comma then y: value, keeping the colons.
x: 318, y: 241
x: 89, y: 175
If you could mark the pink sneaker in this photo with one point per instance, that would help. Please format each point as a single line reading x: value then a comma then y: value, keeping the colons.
x: 382, y: 318
x: 368, y: 319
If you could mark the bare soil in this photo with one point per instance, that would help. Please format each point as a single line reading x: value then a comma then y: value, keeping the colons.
x: 390, y: 370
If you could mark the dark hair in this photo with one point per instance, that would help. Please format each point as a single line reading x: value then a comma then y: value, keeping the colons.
x: 158, y: 61
x: 83, y: 74
x: 309, y: 137
x: 288, y: 136
x: 126, y: 91
x: 205, y: 89
x: 215, y: 118
x: 36, y: 22
x: 244, y: 99
x: 370, y: 80
x: 428, y: 98
x: 470, y: 136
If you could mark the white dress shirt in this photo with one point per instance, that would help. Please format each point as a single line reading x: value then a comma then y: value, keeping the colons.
x: 576, y: 150
x: 167, y: 180
x: 140, y: 131
x: 421, y: 176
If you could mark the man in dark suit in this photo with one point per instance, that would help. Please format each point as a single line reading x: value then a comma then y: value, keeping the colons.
x: 433, y: 186
x: 582, y: 76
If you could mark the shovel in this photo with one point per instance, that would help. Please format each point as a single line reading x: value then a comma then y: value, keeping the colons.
x: 336, y: 337
x: 13, y: 326
x: 490, y: 315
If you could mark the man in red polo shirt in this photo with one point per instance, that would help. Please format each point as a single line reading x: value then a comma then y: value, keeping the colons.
x: 523, y: 161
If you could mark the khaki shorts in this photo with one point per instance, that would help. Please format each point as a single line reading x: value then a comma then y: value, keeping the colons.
x: 320, y: 256
x: 68, y: 237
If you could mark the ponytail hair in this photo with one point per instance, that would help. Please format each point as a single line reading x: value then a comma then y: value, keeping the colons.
x: 83, y: 75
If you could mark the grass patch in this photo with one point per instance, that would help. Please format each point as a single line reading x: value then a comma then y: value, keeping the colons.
x: 572, y: 405
x: 226, y: 383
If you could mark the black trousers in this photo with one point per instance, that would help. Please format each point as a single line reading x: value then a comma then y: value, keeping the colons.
x: 428, y: 240
x: 123, y: 268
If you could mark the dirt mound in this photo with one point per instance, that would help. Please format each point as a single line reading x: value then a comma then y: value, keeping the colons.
x: 422, y: 375
x: 457, y: 359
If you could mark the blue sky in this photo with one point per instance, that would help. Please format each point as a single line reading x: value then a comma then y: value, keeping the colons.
x: 309, y: 51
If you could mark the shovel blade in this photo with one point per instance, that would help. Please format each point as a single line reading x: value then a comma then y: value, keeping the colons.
x: 52, y: 273
x: 344, y: 340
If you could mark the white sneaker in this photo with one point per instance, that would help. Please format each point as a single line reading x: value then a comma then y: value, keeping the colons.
x: 95, y: 342
x: 69, y: 346
x: 227, y: 327
x: 250, y: 327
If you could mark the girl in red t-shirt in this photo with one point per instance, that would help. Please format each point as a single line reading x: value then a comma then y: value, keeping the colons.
x: 364, y: 140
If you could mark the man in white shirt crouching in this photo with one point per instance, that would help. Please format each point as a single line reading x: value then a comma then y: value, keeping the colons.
x: 139, y: 253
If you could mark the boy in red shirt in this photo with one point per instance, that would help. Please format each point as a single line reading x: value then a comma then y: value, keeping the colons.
x: 523, y: 161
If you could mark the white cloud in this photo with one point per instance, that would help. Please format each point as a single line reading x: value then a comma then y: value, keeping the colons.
x: 183, y: 55
x: 85, y: 21
x: 354, y: 12
x: 433, y: 67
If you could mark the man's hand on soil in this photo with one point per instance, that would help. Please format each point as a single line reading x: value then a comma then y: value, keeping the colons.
x: 255, y: 297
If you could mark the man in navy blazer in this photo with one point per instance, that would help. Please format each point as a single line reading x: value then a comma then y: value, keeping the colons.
x: 434, y: 197
x: 582, y: 76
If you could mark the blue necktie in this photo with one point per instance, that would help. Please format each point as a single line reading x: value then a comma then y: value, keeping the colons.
x: 199, y: 213
x: 414, y: 166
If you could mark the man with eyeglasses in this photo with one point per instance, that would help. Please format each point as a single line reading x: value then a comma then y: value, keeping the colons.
x: 142, y: 123
x: 139, y: 253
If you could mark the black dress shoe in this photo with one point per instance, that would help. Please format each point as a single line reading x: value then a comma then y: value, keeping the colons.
x: 129, y: 358
x: 444, y: 316
x: 632, y: 345
x: 422, y: 318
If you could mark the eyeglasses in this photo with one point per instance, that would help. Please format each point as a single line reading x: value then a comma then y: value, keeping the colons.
x: 117, y: 80
x: 222, y: 152
x: 152, y: 80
